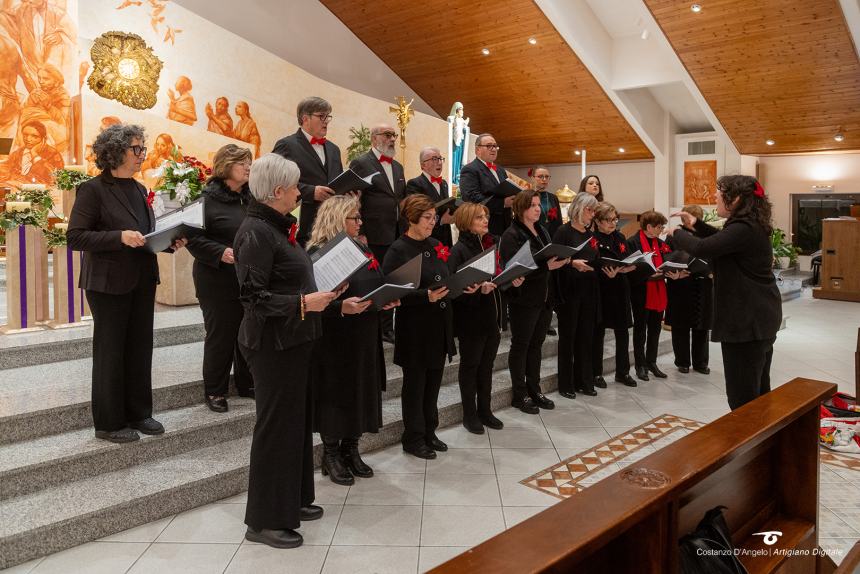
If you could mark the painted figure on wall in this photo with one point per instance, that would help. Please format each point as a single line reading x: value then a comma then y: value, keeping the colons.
x: 220, y: 121
x: 163, y: 149
x: 246, y: 130
x: 50, y: 103
x: 459, y: 132
x: 11, y: 68
x: 182, y: 106
x: 33, y: 162
x: 44, y: 34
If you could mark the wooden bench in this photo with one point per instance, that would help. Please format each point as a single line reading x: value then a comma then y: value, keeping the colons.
x: 760, y: 461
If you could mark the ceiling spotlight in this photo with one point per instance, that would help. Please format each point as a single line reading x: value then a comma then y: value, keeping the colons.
x: 839, y: 137
x: 644, y: 35
x: 621, y: 150
x: 577, y: 152
x: 485, y: 51
x: 696, y: 8
x: 770, y: 142
x: 532, y: 41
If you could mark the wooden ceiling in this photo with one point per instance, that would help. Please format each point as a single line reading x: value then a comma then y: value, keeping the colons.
x: 539, y: 101
x: 784, y: 70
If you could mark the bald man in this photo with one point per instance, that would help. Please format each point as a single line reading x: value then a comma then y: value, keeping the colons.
x: 380, y: 203
x: 431, y: 184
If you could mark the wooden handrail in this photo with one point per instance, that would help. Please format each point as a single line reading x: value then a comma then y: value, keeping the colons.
x: 572, y: 531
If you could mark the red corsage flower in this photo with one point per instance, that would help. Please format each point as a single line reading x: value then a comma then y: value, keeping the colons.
x: 593, y: 243
x: 442, y: 252
x: 374, y: 264
x: 552, y: 213
x: 622, y: 248
x: 293, y: 230
x: 150, y: 197
x: 665, y: 248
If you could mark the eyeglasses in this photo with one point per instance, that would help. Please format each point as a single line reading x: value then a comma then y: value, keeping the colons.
x: 389, y: 135
x: 324, y: 117
x: 490, y: 147
x: 435, y: 158
x: 543, y: 177
x: 609, y: 220
x: 138, y: 150
x: 430, y: 217
x: 356, y: 218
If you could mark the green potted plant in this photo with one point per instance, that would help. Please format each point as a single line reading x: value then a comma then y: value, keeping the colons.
x: 784, y: 253
x: 360, y: 138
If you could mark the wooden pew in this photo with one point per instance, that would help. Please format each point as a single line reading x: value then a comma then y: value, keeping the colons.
x: 760, y: 461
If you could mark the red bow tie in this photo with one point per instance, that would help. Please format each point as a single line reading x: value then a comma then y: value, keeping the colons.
x: 318, y: 141
x: 492, y: 166
x: 434, y: 179
x: 385, y: 159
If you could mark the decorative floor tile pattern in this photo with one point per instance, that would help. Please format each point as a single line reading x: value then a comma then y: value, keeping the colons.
x: 571, y: 475
x: 841, y: 460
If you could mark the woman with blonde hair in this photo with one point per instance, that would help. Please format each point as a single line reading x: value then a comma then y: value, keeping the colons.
x: 347, y: 365
x: 226, y: 197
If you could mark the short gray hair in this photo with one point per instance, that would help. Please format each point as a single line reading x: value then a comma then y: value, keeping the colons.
x: 269, y: 172
x: 110, y: 145
x: 310, y: 106
x: 578, y: 205
x: 480, y: 139
x: 422, y: 155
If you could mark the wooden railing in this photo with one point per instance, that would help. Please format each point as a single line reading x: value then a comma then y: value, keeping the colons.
x: 760, y: 461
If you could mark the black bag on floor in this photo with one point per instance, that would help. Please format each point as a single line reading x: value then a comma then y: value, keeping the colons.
x: 709, y: 549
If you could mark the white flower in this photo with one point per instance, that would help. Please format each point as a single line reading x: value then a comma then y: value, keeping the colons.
x: 158, y: 205
x: 182, y: 192
x: 159, y: 171
x: 181, y: 169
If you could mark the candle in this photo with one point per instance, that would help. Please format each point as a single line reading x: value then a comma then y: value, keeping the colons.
x: 61, y: 226
x: 79, y: 168
x: 13, y: 206
x: 33, y: 187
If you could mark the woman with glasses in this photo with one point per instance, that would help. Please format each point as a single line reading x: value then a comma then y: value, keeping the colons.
x: 550, y: 208
x: 108, y: 222
x: 226, y: 198
x: 424, y: 336
x: 347, y: 365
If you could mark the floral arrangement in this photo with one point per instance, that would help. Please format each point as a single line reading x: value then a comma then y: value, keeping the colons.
x: 182, y: 180
x: 29, y: 206
x: 69, y: 179
x: 714, y: 220
x: 55, y: 236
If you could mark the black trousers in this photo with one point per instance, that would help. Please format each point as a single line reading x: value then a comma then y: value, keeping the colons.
x: 281, y: 477
x: 576, y: 327
x: 528, y: 332
x: 690, y: 347
x: 221, y: 318
x: 477, y: 355
x: 622, y: 351
x: 386, y: 318
x: 646, y: 334
x: 418, y: 400
x: 122, y: 356
x: 747, y: 368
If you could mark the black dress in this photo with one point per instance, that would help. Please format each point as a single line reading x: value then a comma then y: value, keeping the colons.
x: 690, y: 314
x: 477, y: 324
x: 647, y: 323
x: 530, y: 307
x: 423, y: 337
x: 217, y: 289
x: 578, y: 312
x: 348, y: 370
x: 273, y: 273
x: 616, y: 312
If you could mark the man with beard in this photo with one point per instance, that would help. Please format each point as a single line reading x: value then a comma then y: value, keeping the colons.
x: 478, y: 180
x: 380, y: 203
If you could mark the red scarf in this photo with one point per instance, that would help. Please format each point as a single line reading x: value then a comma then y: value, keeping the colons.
x: 655, y: 290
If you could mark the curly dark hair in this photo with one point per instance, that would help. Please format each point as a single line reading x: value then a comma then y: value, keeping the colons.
x: 585, y: 179
x: 749, y: 205
x: 110, y: 144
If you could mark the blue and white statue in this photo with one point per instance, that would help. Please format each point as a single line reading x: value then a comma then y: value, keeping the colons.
x: 458, y: 142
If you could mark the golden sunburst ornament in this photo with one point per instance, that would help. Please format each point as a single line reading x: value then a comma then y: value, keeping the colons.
x: 125, y: 69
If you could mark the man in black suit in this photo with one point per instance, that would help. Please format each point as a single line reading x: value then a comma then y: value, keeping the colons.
x: 317, y: 158
x: 431, y: 184
x: 380, y: 203
x: 479, y: 179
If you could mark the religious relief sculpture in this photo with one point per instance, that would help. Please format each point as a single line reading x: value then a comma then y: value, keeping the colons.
x: 181, y: 108
x: 403, y: 112
x: 458, y: 140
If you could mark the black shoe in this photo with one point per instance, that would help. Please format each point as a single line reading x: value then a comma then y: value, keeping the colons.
x: 275, y: 538
x: 543, y: 402
x: 599, y: 382
x: 352, y: 458
x: 148, y: 426
x: 118, y: 436
x: 552, y: 332
x: 310, y: 512
x: 656, y: 371
x: 333, y: 466
x: 388, y: 337
x: 473, y: 425
x: 491, y: 421
x: 421, y: 451
x: 642, y: 373
x: 249, y: 394
x: 684, y: 370
x: 437, y: 444
x: 587, y: 392
x: 625, y: 380
x: 703, y: 370
x: 526, y: 405
x: 568, y: 394
x: 217, y: 404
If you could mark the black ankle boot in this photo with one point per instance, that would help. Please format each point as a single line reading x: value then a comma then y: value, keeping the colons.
x: 352, y: 459
x: 332, y: 465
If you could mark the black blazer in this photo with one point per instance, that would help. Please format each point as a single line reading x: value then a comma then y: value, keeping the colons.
x: 223, y: 214
x: 476, y: 314
x: 616, y: 311
x: 537, y: 290
x: 476, y: 182
x: 550, y: 212
x: 297, y: 148
x: 380, y: 205
x: 100, y: 214
x: 423, y: 185
x: 747, y: 303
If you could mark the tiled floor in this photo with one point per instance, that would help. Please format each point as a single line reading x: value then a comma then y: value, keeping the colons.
x: 414, y: 514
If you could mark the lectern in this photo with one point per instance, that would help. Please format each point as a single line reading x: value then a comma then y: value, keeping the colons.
x: 840, y: 260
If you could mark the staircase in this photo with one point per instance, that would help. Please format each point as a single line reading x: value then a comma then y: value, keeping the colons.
x: 60, y: 487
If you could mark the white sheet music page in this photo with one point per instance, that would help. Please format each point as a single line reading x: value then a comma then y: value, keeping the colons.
x: 191, y: 214
x: 337, y: 264
x: 487, y: 263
